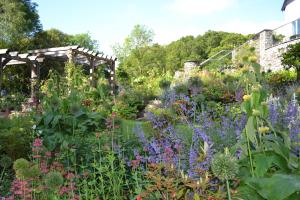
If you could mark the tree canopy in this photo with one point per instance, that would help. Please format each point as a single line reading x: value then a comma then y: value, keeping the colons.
x: 19, y: 19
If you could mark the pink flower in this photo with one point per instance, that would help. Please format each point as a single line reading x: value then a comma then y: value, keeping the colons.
x: 63, y: 190
x: 135, y: 163
x: 70, y: 175
x: 38, y: 142
x: 48, y: 154
x: 37, y: 156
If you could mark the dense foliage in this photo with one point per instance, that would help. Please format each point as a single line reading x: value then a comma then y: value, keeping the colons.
x: 211, y: 134
x: 142, y: 62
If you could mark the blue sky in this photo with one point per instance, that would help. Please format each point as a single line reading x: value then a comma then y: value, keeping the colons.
x: 110, y: 21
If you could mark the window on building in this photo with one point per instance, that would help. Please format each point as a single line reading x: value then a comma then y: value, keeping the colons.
x: 296, y: 27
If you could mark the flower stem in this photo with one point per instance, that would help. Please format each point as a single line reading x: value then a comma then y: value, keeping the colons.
x: 250, y: 154
x: 228, y: 189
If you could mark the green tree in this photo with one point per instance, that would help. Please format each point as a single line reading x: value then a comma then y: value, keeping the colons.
x: 19, y: 19
x: 49, y: 38
x: 57, y: 38
x: 291, y: 59
x: 186, y: 48
x: 85, y: 40
x: 140, y: 37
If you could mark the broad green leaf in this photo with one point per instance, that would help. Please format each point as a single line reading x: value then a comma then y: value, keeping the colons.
x: 262, y: 163
x: 255, y: 100
x: 250, y: 131
x: 277, y: 187
x: 247, y: 193
x: 48, y: 119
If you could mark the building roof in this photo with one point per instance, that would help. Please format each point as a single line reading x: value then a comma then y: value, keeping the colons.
x: 285, y: 4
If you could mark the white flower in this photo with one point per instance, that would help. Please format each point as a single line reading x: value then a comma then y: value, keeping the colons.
x: 40, y: 131
x: 34, y: 127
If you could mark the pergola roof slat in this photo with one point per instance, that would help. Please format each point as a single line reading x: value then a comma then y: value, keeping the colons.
x: 14, y: 53
x: 85, y: 50
x: 4, y: 51
x: 15, y: 62
x: 32, y: 58
x: 24, y: 55
x: 53, y: 49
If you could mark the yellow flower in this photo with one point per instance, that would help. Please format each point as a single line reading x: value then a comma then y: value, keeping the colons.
x: 252, y: 59
x: 263, y: 129
x: 247, y: 97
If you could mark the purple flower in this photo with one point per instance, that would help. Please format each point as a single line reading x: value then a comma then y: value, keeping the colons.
x: 200, y: 153
x: 273, y: 113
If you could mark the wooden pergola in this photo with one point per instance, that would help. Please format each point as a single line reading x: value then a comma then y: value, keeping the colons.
x: 74, y: 54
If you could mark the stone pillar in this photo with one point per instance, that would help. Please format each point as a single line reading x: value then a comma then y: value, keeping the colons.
x: 265, y: 42
x: 35, y: 75
x: 189, y: 66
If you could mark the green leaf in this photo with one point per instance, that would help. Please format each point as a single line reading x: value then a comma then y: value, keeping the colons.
x: 246, y: 107
x: 278, y: 187
x: 48, y: 119
x: 247, y: 193
x: 255, y: 99
x: 180, y: 194
x: 250, y: 130
x: 262, y: 164
x: 196, y: 196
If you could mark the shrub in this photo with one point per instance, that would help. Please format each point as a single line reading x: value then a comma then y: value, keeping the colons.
x: 291, y: 58
x: 280, y: 78
x: 15, y: 137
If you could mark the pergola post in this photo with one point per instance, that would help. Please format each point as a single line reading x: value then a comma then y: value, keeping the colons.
x: 1, y: 74
x: 92, y: 72
x: 70, y: 56
x: 35, y: 75
x: 112, y: 77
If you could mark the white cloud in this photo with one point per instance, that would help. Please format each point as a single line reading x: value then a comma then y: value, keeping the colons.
x: 200, y: 7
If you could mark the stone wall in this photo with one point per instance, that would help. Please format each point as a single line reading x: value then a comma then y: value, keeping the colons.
x: 269, y: 53
x: 271, y: 58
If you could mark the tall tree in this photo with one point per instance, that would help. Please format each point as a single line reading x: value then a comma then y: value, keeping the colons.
x: 140, y: 37
x: 18, y: 19
x: 84, y: 40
